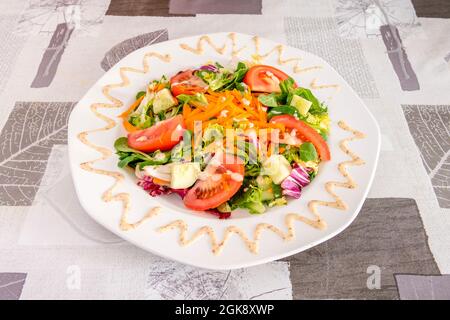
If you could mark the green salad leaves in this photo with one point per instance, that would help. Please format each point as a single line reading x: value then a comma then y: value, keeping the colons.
x: 130, y: 157
x: 282, y: 103
x: 224, y: 79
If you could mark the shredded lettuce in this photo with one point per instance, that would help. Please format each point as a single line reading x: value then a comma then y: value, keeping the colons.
x: 320, y: 122
x: 316, y: 107
x: 143, y: 117
x: 292, y: 153
x: 182, y: 152
x: 279, y: 103
x: 277, y: 202
x: 140, y: 94
x: 214, y: 132
x: 308, y: 152
x: 131, y: 157
x: 198, y: 97
x: 223, y: 79
x: 269, y: 100
x: 249, y: 199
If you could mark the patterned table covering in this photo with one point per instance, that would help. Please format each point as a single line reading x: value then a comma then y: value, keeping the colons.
x: 51, y: 53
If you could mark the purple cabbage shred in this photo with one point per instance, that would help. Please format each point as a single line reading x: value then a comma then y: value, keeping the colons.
x: 155, y: 190
x: 298, y: 179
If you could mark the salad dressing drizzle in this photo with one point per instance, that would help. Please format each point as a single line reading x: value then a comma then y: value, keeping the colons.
x: 200, y: 48
x: 313, y: 85
x: 252, y: 244
x: 234, y: 50
x: 342, y: 167
x: 217, y: 246
x: 290, y: 218
x: 109, y: 195
x: 300, y: 70
x: 279, y: 50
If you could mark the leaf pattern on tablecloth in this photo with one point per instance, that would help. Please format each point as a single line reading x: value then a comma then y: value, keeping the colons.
x: 25, y: 145
x: 320, y: 36
x: 387, y: 233
x: 120, y: 50
x: 399, y: 59
x: 363, y: 18
x: 10, y: 46
x: 390, y: 19
x: 430, y: 127
x: 52, y: 56
x: 43, y: 16
x: 447, y: 57
x: 11, y: 285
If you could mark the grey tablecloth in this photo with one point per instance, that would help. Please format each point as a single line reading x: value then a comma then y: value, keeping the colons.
x: 51, y: 52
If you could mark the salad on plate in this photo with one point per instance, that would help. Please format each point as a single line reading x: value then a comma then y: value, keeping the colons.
x: 224, y: 138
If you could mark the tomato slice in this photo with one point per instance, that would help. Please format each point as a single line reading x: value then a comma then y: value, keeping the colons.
x: 163, y: 135
x: 219, y: 187
x: 264, y: 78
x: 186, y: 82
x: 305, y: 133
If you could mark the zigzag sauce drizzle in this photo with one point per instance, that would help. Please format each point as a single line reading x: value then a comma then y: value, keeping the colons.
x: 200, y: 49
x: 318, y: 223
x: 217, y: 246
x: 279, y: 50
x: 314, y: 85
x: 108, y: 195
x: 234, y: 50
x: 350, y: 183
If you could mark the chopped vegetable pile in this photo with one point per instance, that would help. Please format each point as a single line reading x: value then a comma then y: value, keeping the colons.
x: 222, y: 138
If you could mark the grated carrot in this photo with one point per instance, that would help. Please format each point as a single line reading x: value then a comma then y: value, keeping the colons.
x: 133, y: 106
x: 128, y: 126
x: 186, y: 110
x: 199, y: 105
x: 161, y: 182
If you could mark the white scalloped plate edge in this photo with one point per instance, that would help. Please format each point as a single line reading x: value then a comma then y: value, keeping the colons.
x: 193, y: 258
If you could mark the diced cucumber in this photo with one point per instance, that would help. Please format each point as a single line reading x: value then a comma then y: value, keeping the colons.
x: 278, y: 202
x: 256, y: 208
x: 184, y: 175
x: 277, y: 168
x: 264, y: 182
x: 224, y: 207
x: 301, y: 104
x: 163, y: 101
x: 266, y: 195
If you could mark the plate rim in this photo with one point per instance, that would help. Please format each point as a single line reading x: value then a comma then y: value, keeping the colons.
x: 258, y: 260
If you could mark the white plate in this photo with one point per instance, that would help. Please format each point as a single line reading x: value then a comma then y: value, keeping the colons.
x: 345, y: 105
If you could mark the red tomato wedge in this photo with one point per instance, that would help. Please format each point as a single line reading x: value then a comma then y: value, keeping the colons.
x: 187, y: 82
x: 218, y: 188
x: 163, y: 135
x: 264, y: 78
x: 305, y: 133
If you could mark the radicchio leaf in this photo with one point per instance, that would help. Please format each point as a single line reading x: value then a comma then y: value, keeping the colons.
x: 221, y: 215
x: 155, y: 190
x: 209, y: 67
